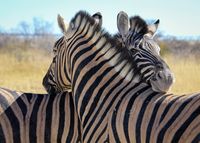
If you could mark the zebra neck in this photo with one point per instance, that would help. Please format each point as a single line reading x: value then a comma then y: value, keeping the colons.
x: 93, y: 45
x: 118, y: 61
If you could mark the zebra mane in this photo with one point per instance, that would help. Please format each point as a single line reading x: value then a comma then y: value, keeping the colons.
x: 125, y: 54
x: 138, y: 25
x: 85, y: 15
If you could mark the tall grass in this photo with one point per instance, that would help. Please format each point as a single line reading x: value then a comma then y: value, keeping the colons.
x: 24, y: 69
x: 186, y: 72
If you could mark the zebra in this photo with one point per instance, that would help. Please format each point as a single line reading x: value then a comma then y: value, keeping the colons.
x: 114, y: 100
x: 163, y: 79
x: 38, y: 118
x: 49, y: 77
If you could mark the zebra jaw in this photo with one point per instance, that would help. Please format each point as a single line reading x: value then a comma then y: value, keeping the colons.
x: 162, y: 81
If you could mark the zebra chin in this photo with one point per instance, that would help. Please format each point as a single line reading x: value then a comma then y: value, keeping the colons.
x: 160, y: 88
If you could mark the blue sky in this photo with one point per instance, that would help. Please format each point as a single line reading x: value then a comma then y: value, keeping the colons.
x: 177, y: 17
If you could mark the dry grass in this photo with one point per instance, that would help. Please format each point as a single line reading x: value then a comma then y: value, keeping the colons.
x: 187, y: 74
x: 24, y: 69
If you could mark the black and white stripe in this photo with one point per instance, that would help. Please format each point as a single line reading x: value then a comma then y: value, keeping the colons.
x: 37, y: 118
x: 115, y: 103
x: 137, y: 36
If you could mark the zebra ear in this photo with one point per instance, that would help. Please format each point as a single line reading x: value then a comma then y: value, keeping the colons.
x: 123, y: 24
x: 153, y: 28
x: 61, y: 24
x: 98, y: 18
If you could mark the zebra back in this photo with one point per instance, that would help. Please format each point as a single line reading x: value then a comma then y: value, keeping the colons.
x: 147, y: 117
x: 28, y: 117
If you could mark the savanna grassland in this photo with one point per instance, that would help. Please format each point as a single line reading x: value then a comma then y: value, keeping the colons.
x: 186, y: 72
x: 24, y: 69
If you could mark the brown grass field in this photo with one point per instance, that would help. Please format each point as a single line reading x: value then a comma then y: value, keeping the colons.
x: 23, y: 70
x: 187, y: 74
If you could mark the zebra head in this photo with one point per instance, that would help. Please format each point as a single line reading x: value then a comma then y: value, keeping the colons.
x: 50, y: 81
x: 138, y: 38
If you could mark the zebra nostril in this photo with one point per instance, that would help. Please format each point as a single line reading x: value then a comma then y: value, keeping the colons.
x: 153, y: 78
x: 170, y: 78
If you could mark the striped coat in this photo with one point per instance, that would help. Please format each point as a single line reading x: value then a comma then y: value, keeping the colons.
x: 114, y: 100
x: 37, y: 118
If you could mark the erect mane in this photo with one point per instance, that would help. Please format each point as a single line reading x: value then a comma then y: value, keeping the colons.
x: 84, y: 15
x: 98, y: 30
x: 138, y: 25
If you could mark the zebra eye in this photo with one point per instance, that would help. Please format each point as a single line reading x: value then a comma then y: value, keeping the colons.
x: 54, y: 51
x: 159, y: 66
x: 134, y: 50
x: 54, y: 59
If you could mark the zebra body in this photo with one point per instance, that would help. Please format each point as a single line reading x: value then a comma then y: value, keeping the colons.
x: 37, y: 118
x: 144, y: 116
x: 114, y: 99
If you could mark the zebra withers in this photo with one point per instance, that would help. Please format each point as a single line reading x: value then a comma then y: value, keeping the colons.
x: 103, y: 75
x: 38, y: 118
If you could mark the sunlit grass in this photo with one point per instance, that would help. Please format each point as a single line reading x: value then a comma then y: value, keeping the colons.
x: 24, y: 70
x: 187, y: 74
